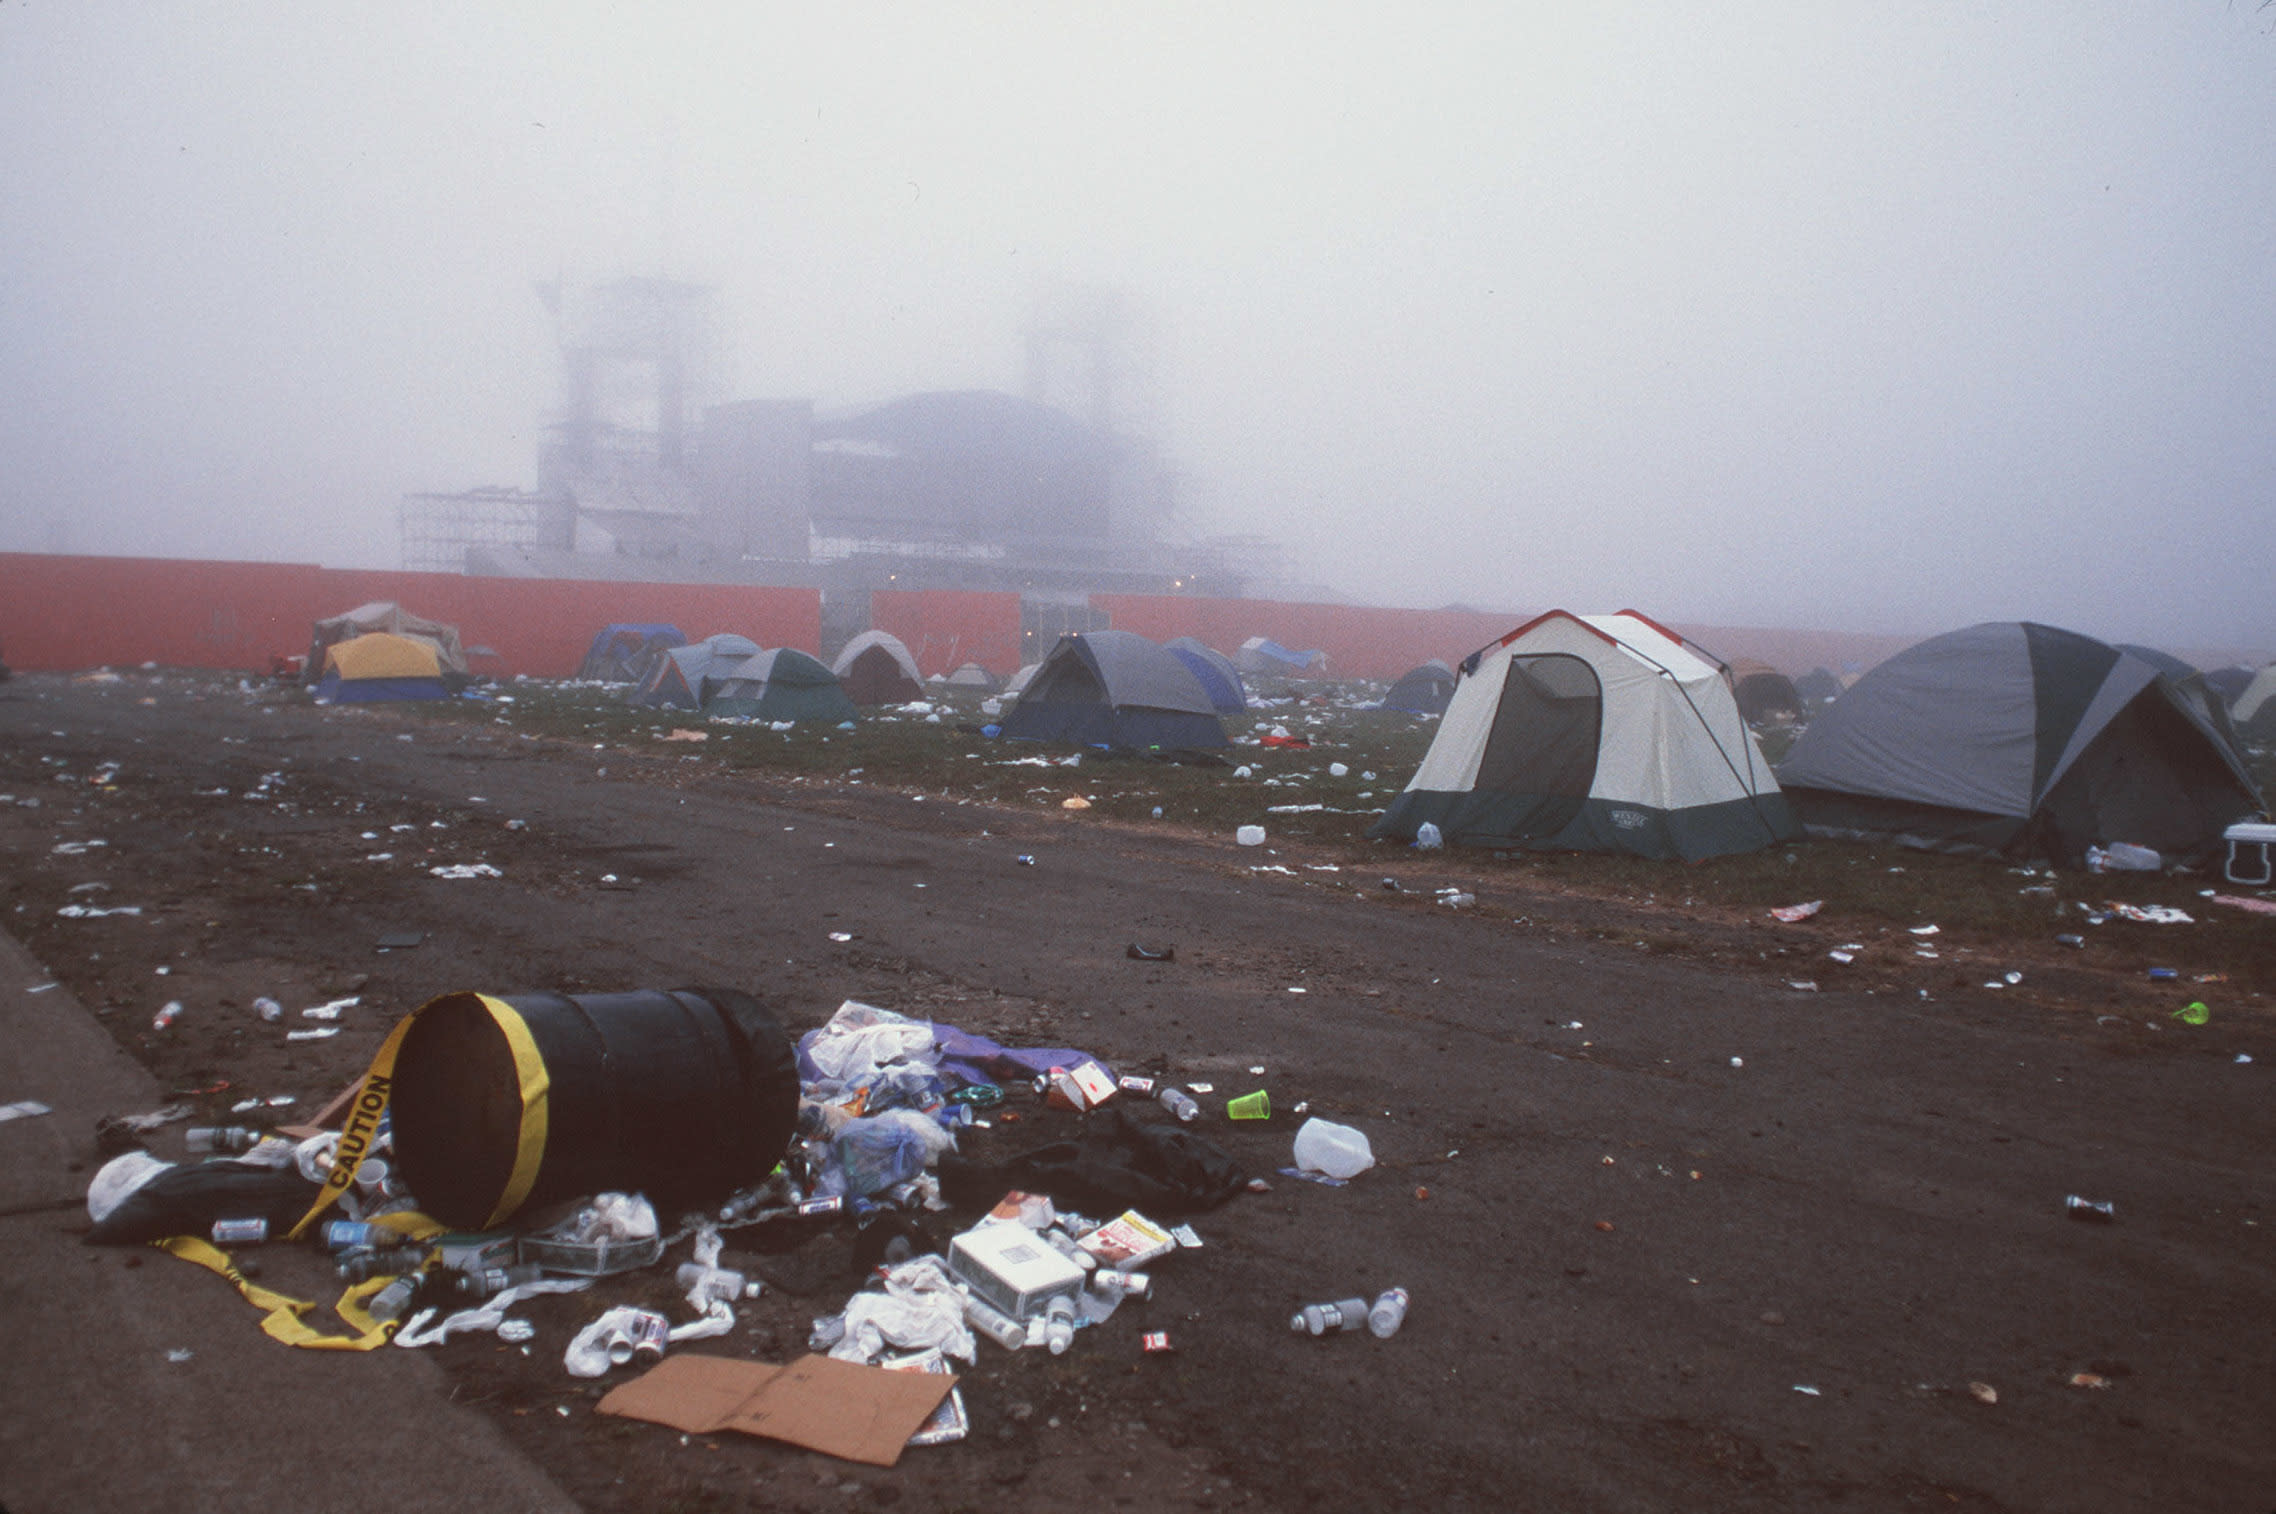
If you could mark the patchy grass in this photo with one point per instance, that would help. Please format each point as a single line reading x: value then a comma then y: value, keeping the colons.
x: 1296, y: 794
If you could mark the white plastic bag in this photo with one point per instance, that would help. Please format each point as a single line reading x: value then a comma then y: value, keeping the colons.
x: 1427, y: 836
x: 1337, y: 1150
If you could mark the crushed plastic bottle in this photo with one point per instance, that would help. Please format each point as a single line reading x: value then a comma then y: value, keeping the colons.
x: 1389, y: 1313
x: 1323, y: 1319
x: 167, y: 1016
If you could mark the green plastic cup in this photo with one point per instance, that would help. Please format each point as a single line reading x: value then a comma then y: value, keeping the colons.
x: 1251, y: 1106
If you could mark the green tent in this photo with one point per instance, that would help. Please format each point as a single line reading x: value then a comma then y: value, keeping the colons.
x: 781, y: 684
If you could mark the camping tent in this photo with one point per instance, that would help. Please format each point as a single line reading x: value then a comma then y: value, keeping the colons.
x: 677, y: 679
x: 2022, y: 740
x: 1422, y: 690
x: 387, y: 616
x: 1115, y: 689
x: 1261, y: 654
x: 971, y: 675
x: 379, y: 666
x: 876, y: 668
x: 1018, y: 682
x: 1593, y: 733
x: 782, y: 684
x: 1218, y: 676
x: 1765, y: 695
x: 625, y: 653
x: 1817, y: 688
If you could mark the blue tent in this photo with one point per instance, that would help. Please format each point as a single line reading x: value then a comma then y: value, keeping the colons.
x: 1218, y: 676
x: 678, y: 678
x: 625, y: 652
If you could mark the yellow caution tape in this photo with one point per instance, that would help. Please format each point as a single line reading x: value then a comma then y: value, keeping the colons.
x: 284, y: 1320
x: 378, y: 1086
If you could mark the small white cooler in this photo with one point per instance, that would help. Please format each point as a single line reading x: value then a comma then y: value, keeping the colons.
x: 2249, y: 860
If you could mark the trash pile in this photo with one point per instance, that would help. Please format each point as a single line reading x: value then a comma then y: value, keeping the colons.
x: 432, y: 1243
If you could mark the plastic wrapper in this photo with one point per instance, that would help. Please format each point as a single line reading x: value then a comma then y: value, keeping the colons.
x: 861, y: 1041
x: 921, y: 1307
x: 877, y: 1152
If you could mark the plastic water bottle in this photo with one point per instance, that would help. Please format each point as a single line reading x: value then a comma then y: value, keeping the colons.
x: 1320, y: 1319
x: 390, y: 1302
x: 167, y: 1015
x: 1389, y: 1313
x: 726, y: 1283
x: 1178, y: 1102
x: 992, y: 1322
x: 1059, y: 1324
x: 1066, y: 1247
x: 220, y: 1138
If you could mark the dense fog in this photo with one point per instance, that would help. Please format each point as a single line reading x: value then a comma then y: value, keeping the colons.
x: 1879, y: 318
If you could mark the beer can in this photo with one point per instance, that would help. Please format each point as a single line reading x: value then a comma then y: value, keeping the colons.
x: 1111, y: 1280
x: 1131, y: 1082
x: 650, y: 1333
x: 829, y: 1204
x: 240, y: 1232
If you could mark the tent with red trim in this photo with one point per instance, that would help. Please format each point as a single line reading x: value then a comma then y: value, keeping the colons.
x: 1598, y: 733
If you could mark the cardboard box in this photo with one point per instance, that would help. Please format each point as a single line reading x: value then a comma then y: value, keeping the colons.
x: 1128, y: 1242
x: 1012, y: 1268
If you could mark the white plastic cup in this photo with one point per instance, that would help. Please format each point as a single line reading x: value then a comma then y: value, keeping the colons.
x: 1250, y: 835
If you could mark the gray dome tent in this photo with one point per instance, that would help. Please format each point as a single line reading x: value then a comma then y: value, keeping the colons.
x: 1422, y: 690
x: 2022, y: 740
x: 1114, y: 689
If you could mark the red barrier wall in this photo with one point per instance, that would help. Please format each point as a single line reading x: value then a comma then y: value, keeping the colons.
x: 62, y: 613
x: 82, y: 612
x: 946, y: 628
x: 1361, y: 642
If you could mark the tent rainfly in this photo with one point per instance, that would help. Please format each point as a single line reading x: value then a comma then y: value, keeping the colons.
x: 1114, y: 689
x: 1018, y: 682
x: 1422, y: 690
x: 677, y: 680
x: 1215, y: 670
x: 1261, y: 654
x: 782, y: 684
x: 625, y: 652
x: 378, y: 667
x: 1601, y: 733
x: 2021, y: 740
x: 876, y: 668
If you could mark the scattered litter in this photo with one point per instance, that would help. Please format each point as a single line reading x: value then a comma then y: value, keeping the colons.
x: 2089, y: 1380
x: 75, y: 848
x: 2194, y: 1013
x: 167, y: 1016
x: 1427, y: 836
x: 329, y: 1010
x: 2243, y: 1057
x: 1139, y: 953
x: 1806, y: 1388
x: 2092, y: 1211
x: 1924, y: 930
x: 1983, y: 1393
x: 681, y: 733
x: 314, y: 1033
x: 1249, y: 835
x: 1793, y: 912
x: 2151, y: 914
x: 23, y: 1109
x: 1803, y: 985
x: 91, y: 912
x: 1074, y: 802
x: 840, y: 935
x: 466, y: 870
x: 1843, y: 956
x: 180, y: 1354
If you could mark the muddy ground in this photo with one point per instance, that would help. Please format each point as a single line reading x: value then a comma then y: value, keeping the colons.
x: 1677, y: 1233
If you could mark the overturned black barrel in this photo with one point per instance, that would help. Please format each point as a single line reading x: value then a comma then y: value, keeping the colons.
x: 502, y: 1101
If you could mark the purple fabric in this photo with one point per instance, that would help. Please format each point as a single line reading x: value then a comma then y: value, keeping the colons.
x: 976, y: 1059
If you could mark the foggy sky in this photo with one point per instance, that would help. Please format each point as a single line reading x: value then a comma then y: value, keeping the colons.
x: 1885, y: 318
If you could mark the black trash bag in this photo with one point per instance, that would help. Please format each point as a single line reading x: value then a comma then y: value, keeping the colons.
x: 187, y: 1200
x: 1118, y: 1163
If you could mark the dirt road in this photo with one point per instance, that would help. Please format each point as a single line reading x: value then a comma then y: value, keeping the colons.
x: 1676, y: 1236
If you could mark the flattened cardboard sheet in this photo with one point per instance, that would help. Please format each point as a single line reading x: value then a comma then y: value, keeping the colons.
x: 838, y: 1408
